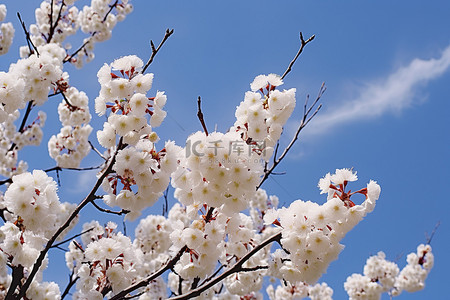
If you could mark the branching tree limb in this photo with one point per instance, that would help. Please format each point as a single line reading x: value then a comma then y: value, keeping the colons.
x: 169, y: 32
x: 200, y: 115
x: 30, y: 44
x: 89, y: 198
x: 236, y: 268
x: 300, y: 50
x: 307, y: 117
x: 169, y: 265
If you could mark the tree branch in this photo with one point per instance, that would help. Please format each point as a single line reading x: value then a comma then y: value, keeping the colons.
x: 24, y: 121
x: 119, y: 213
x: 27, y: 35
x: 200, y: 115
x: 169, y: 265
x: 71, y: 238
x: 302, y: 45
x: 89, y: 198
x: 67, y: 59
x: 71, y: 282
x: 54, y: 25
x: 169, y: 32
x: 305, y: 120
x: 237, y: 267
x: 429, y: 238
x: 111, y: 7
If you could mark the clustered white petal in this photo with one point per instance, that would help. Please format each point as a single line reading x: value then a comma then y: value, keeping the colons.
x: 6, y: 32
x: 216, y: 179
x: 381, y: 276
x: 71, y: 144
x: 312, y: 232
x: 34, y: 214
x: 141, y: 172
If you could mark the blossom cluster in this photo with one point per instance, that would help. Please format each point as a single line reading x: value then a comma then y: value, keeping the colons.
x: 34, y: 213
x: 107, y: 261
x: 56, y: 20
x: 216, y: 177
x: 141, y: 172
x: 11, y: 141
x: 71, y: 144
x: 312, y: 232
x: 319, y: 291
x: 40, y: 70
x: 264, y: 111
x: 383, y: 276
x: 6, y: 31
x: 29, y: 80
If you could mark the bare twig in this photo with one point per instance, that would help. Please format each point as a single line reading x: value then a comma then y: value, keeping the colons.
x: 169, y: 265
x: 74, y: 169
x: 69, y: 58
x: 213, y: 275
x: 27, y: 35
x: 236, y: 268
x: 305, y: 120
x: 429, y: 238
x: 89, y: 198
x: 96, y: 151
x: 73, y: 237
x: 300, y: 50
x: 68, y: 102
x: 253, y: 269
x: 166, y: 201
x: 71, y: 282
x: 169, y: 32
x: 200, y: 115
x: 54, y: 25
x: 30, y: 106
x: 119, y: 213
x: 54, y: 94
x: 111, y: 7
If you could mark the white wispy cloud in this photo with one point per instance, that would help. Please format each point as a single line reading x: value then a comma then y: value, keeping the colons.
x: 382, y: 96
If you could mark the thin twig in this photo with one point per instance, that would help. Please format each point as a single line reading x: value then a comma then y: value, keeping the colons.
x: 68, y: 102
x: 254, y: 269
x: 237, y: 267
x: 27, y: 35
x: 53, y: 26
x: 169, y: 32
x: 73, y: 237
x: 305, y: 120
x: 200, y: 115
x: 30, y: 106
x: 300, y: 50
x: 169, y: 265
x: 429, y: 238
x: 213, y: 275
x: 96, y: 151
x: 54, y: 94
x: 74, y: 169
x: 111, y: 7
x: 166, y: 201
x: 71, y: 282
x: 119, y: 213
x: 69, y: 58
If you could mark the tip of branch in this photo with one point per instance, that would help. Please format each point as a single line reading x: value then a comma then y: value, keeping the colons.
x: 169, y: 31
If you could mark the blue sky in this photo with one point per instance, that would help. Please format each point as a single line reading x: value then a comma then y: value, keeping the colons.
x: 385, y: 65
